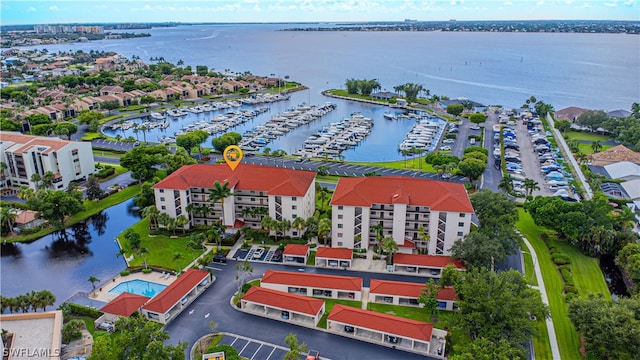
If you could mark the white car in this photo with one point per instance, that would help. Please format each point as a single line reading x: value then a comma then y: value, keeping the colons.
x: 448, y: 141
x: 258, y: 253
x: 474, y: 127
x: 445, y: 148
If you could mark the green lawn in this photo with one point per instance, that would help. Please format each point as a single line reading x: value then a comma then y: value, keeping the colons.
x: 107, y: 153
x: 312, y: 258
x: 91, y: 208
x: 330, y: 303
x: 161, y: 248
x: 328, y: 178
x: 587, y: 275
x: 530, y: 274
x: 568, y: 339
x: 586, y: 136
x: 587, y: 150
x: 414, y: 163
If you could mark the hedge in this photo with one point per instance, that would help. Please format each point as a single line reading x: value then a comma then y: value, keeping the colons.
x: 106, y: 172
x: 570, y: 289
x: 560, y: 258
x: 75, y: 309
x: 567, y: 277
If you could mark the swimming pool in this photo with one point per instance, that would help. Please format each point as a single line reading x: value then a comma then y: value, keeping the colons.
x: 139, y: 287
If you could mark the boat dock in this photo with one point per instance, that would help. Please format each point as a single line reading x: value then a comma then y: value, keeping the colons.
x: 332, y: 140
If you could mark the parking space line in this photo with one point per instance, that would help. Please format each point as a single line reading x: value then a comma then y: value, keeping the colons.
x: 254, y: 354
x: 244, y: 347
x: 234, y: 341
x: 271, y: 353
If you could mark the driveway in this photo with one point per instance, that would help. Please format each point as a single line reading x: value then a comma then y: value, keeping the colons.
x: 214, y: 305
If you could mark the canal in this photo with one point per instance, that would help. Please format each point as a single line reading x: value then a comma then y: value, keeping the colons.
x: 62, y: 262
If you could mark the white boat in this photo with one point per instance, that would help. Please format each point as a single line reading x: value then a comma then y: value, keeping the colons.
x: 157, y: 116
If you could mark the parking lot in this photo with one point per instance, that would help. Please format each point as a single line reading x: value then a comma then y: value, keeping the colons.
x: 254, y: 349
x: 259, y: 254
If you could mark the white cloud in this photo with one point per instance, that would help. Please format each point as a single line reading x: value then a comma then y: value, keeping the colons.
x: 611, y: 4
x: 508, y: 3
x: 631, y: 2
x: 540, y: 3
x: 31, y: 9
x: 456, y: 2
x: 53, y: 8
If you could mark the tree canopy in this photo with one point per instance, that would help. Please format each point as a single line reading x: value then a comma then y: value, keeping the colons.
x: 611, y: 329
x: 141, y: 161
x: 56, y: 205
x: 192, y: 139
x: 495, y: 308
x: 455, y: 109
x: 221, y: 142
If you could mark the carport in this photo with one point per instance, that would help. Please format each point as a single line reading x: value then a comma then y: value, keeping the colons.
x: 427, y: 265
x: 295, y: 254
x: 282, y: 306
x: 334, y: 257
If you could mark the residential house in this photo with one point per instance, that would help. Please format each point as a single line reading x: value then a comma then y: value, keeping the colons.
x: 407, y: 294
x: 295, y: 254
x: 426, y: 265
x: 613, y: 155
x: 334, y: 257
x: 124, y: 305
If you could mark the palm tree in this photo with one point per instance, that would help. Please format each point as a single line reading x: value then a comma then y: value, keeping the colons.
x: 390, y: 247
x: 424, y: 237
x: 152, y: 213
x: 219, y: 193
x: 299, y: 224
x: 296, y: 350
x: 47, y: 179
x: 36, y: 178
x: 177, y: 256
x: 182, y: 221
x: 506, y: 183
x: 574, y: 145
x: 596, y: 146
x: 196, y: 240
x: 378, y: 230
x: 45, y: 298
x: 26, y: 193
x: 8, y: 217
x: 265, y: 223
x: 284, y: 226
x: 419, y: 152
x: 93, y: 280
x: 143, y: 251
x: 530, y: 185
x: 324, y: 228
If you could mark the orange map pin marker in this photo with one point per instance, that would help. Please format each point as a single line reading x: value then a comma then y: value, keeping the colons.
x: 232, y: 155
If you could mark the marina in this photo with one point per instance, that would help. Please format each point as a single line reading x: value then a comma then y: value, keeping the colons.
x: 332, y: 140
x: 283, y: 123
x: 424, y: 135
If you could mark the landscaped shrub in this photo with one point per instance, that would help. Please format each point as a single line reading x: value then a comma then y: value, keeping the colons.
x: 566, y: 276
x: 560, y: 258
x: 451, y: 136
x: 570, y: 289
x: 106, y: 172
x: 553, y: 250
x: 75, y: 309
x: 561, y: 267
x: 71, y: 330
x: 569, y: 296
x: 125, y: 273
x: 313, y: 246
x: 230, y: 353
x: 246, y: 287
x: 147, y: 271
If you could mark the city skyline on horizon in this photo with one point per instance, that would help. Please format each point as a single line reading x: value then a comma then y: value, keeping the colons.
x: 14, y: 12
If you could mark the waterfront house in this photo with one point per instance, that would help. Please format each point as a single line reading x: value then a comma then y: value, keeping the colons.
x: 280, y: 193
x: 401, y: 206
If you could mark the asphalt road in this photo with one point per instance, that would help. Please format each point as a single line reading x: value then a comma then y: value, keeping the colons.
x: 214, y: 305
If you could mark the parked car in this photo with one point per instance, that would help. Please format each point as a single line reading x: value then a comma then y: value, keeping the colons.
x: 258, y: 253
x: 448, y: 141
x: 219, y: 258
x: 285, y: 315
x: 313, y: 355
x: 445, y: 148
x: 474, y: 127
x: 392, y: 339
x: 349, y: 329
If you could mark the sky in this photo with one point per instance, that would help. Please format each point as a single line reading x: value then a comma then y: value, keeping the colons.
x: 14, y: 12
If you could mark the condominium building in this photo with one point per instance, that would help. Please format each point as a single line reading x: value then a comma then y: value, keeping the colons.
x: 256, y: 191
x: 26, y: 155
x: 400, y: 207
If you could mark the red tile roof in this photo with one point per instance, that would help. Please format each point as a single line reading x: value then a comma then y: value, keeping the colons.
x: 25, y: 217
x: 296, y: 250
x: 437, y: 195
x: 125, y: 304
x: 283, y: 300
x: 313, y: 280
x: 616, y: 154
x: 426, y: 260
x: 28, y: 142
x: 334, y: 253
x: 275, y: 181
x: 401, y: 288
x: 170, y: 296
x: 385, y: 323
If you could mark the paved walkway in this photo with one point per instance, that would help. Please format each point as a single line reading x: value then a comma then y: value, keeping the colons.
x: 553, y: 341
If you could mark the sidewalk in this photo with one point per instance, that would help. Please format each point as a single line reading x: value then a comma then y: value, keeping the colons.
x: 553, y: 341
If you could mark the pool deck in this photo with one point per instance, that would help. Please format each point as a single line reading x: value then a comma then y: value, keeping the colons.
x: 103, y: 294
